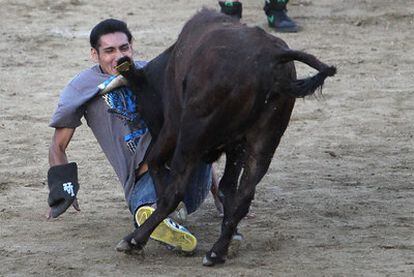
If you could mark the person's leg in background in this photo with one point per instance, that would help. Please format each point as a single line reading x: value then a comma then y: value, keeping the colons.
x: 232, y: 8
x: 275, y: 10
x: 277, y: 17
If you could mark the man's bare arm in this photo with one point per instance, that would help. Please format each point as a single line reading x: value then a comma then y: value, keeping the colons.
x: 57, y: 154
x: 60, y: 141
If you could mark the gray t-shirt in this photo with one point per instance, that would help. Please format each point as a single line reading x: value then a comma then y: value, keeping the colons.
x: 113, y: 118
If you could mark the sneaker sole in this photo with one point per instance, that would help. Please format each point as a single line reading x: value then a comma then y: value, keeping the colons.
x: 167, y: 233
x: 284, y: 29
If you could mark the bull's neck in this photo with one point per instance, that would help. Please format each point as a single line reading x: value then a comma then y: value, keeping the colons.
x: 155, y: 72
x: 150, y: 95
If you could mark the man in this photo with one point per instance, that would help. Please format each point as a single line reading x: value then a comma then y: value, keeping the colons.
x: 122, y: 135
x: 275, y: 11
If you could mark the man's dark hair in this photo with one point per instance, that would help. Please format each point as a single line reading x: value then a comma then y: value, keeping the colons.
x: 108, y: 26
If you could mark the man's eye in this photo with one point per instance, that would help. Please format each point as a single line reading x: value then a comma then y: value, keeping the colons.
x: 108, y: 51
x: 124, y: 48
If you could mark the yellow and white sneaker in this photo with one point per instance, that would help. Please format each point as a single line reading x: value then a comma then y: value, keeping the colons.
x: 168, y: 231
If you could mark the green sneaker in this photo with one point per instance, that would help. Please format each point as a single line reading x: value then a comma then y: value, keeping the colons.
x: 277, y: 17
x: 168, y: 231
x: 231, y: 8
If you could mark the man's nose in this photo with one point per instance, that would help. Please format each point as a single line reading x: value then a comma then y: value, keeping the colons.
x: 118, y: 54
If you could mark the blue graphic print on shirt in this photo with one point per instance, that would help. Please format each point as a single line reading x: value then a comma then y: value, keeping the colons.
x: 122, y: 103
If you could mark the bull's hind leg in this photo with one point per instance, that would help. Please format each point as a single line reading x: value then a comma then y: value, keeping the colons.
x: 261, y: 143
x: 228, y: 185
x: 227, y: 191
x: 254, y: 169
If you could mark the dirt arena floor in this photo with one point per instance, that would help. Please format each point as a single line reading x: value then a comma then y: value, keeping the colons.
x: 338, y: 199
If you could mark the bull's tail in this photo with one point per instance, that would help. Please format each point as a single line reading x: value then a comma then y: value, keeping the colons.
x: 306, y: 86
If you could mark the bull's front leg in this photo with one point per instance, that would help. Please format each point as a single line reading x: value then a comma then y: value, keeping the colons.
x: 167, y: 202
x: 161, y: 153
x: 136, y: 240
x: 241, y: 203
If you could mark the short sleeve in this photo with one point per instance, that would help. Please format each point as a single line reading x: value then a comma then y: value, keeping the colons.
x: 69, y: 110
x: 74, y: 98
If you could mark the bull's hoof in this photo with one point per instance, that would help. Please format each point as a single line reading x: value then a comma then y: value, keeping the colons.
x: 123, y: 246
x: 128, y: 248
x: 212, y: 258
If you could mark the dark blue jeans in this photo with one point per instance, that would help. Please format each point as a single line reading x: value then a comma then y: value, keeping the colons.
x: 144, y: 193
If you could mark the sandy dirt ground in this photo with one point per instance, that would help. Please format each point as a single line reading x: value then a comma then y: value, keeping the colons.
x: 338, y: 199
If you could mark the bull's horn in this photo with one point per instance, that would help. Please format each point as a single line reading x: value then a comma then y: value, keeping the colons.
x: 117, y: 82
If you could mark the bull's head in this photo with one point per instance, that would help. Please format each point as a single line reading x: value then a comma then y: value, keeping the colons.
x: 124, y: 65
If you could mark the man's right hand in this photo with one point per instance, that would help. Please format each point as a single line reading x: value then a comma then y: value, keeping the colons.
x: 75, y: 205
x: 63, y: 187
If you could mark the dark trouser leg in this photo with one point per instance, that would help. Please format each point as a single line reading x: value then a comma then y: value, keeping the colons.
x: 261, y: 143
x: 277, y: 17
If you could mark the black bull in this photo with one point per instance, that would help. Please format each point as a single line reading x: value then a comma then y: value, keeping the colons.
x: 222, y: 87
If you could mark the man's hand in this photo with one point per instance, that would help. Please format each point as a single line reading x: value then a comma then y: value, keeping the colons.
x: 75, y: 205
x: 63, y: 187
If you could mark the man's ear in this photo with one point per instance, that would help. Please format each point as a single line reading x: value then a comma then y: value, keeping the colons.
x: 94, y: 55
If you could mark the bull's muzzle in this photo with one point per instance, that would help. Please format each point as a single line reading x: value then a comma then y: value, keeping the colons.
x: 123, y: 66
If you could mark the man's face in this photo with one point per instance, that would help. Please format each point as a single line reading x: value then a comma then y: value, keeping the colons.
x: 111, y: 47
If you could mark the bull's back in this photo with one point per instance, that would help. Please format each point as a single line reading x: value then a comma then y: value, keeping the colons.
x: 219, y: 65
x: 213, y: 35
